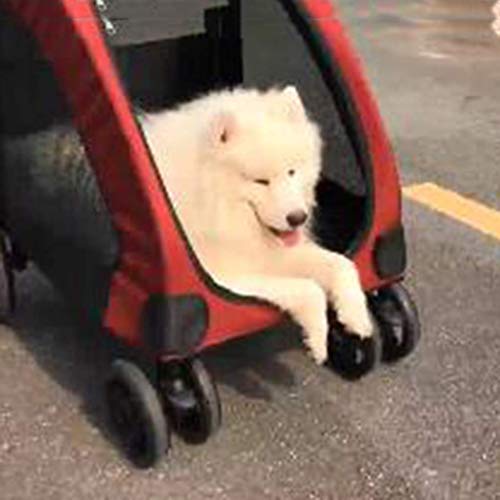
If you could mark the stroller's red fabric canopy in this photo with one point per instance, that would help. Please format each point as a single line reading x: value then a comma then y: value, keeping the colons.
x: 154, y: 257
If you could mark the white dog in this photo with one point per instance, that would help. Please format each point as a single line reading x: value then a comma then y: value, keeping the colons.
x: 240, y: 168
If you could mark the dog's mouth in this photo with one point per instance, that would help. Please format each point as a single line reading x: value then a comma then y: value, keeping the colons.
x: 288, y: 238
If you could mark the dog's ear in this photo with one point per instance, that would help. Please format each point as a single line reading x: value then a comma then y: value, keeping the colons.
x: 223, y: 129
x: 294, y: 107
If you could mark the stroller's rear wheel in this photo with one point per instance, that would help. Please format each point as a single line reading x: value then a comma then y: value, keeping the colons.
x: 191, y: 399
x: 398, y: 321
x: 136, y: 414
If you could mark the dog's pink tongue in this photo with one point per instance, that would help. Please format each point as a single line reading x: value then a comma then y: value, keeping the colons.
x: 290, y: 238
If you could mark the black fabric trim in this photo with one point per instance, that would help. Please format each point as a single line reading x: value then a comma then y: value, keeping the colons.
x: 174, y: 325
x: 390, y: 253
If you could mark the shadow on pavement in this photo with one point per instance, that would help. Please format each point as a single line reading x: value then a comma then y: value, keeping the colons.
x: 75, y: 356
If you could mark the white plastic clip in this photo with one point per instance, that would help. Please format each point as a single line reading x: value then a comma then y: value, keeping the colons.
x: 101, y: 5
x: 109, y: 27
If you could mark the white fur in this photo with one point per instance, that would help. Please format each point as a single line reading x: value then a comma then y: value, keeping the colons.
x: 496, y: 23
x: 210, y: 153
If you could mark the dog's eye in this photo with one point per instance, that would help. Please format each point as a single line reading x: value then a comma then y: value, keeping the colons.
x: 291, y: 172
x: 263, y: 182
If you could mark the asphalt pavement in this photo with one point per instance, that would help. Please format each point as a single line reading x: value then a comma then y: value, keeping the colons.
x: 427, y: 428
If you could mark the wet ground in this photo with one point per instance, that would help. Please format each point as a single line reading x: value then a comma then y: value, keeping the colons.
x: 437, y: 28
x: 435, y: 69
x: 427, y: 428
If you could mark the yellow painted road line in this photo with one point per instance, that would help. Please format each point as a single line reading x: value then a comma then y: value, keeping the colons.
x: 470, y: 212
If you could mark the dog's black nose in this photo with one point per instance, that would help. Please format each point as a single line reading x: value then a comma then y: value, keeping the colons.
x: 296, y: 218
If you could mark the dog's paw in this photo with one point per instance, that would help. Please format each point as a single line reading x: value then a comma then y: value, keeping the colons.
x: 318, y: 348
x: 356, y: 320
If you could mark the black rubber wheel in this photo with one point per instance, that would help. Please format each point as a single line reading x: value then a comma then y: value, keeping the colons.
x: 136, y: 415
x: 191, y: 399
x: 398, y: 321
x: 350, y: 355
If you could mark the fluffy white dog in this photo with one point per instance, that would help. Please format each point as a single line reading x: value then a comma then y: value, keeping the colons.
x: 240, y: 168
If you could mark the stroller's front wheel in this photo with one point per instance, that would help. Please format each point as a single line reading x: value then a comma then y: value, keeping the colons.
x: 349, y: 355
x: 136, y: 415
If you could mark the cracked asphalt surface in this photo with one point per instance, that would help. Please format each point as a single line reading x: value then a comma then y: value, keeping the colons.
x: 426, y: 428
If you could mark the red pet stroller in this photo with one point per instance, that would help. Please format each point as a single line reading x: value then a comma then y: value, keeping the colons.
x: 88, y: 207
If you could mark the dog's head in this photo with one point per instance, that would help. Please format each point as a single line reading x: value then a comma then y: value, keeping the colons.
x: 270, y: 156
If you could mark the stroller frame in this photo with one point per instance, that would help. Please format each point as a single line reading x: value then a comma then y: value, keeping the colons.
x: 149, y: 296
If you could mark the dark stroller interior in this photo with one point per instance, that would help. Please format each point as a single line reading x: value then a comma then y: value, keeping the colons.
x: 166, y: 53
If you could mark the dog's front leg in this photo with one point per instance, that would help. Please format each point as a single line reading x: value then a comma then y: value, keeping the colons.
x: 339, y: 277
x: 303, y: 299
